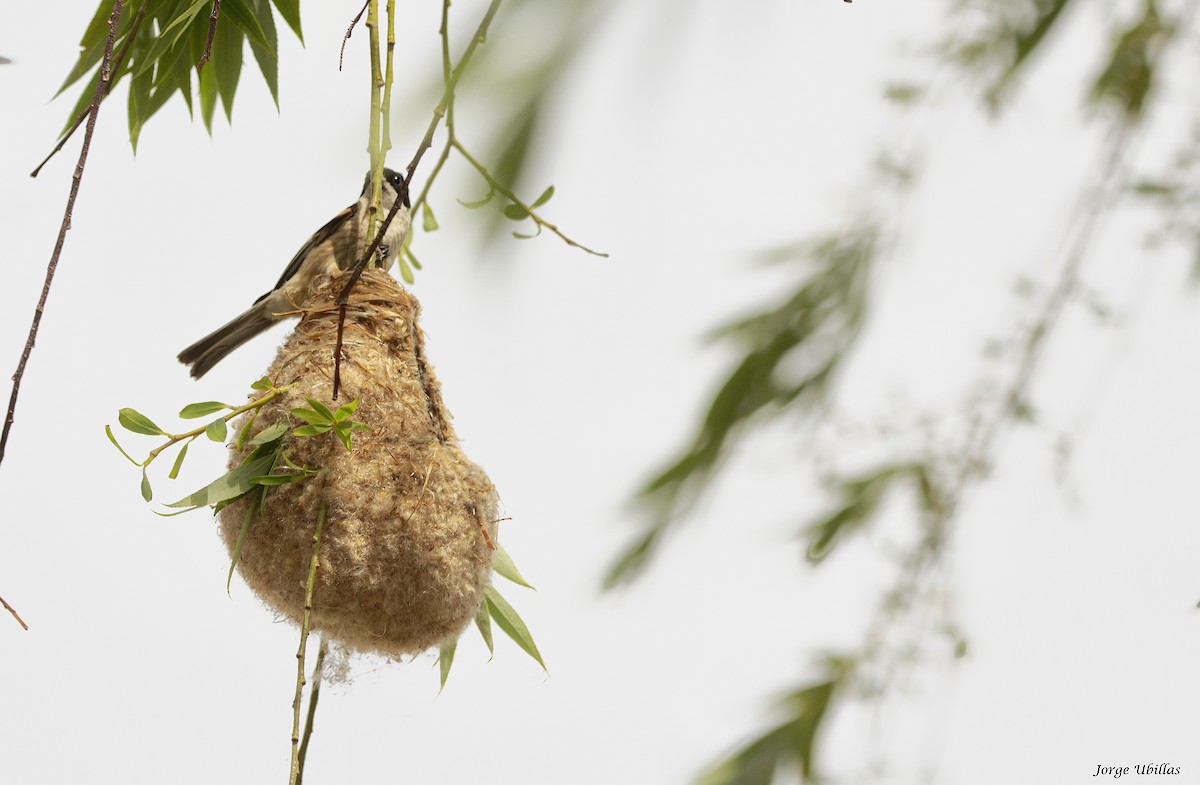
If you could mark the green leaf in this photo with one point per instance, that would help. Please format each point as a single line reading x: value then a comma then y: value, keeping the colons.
x: 480, y: 203
x: 311, y: 430
x: 861, y: 497
x: 503, y: 564
x: 133, y: 420
x: 208, y: 95
x: 228, y: 49
x: 194, y: 410
x: 313, y: 417
x: 108, y: 432
x: 545, y: 197
x: 270, y: 433
x: 216, y: 430
x: 428, y: 220
x: 514, y: 212
x: 147, y: 493
x: 483, y: 621
x: 290, y: 11
x: 242, y: 14
x: 788, y: 745
x: 511, y: 623
x: 139, y: 104
x: 322, y: 408
x: 263, y: 384
x: 175, y: 467
x: 445, y: 660
x: 251, y: 509
x: 278, y: 479
x: 345, y: 411
x: 343, y: 433
x: 230, y: 485
x: 267, y: 54
x: 406, y: 273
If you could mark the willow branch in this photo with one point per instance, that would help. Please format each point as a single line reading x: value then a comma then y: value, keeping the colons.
x: 114, y: 20
x: 117, y: 61
x: 212, y: 32
x: 500, y: 188
x: 349, y: 32
x: 313, y: 696
x: 305, y: 625
x: 14, y: 613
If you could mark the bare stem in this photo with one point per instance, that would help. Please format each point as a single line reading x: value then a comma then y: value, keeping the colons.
x: 349, y: 32
x: 305, y: 625
x: 93, y: 110
x: 212, y: 32
x: 313, y: 696
x: 14, y: 613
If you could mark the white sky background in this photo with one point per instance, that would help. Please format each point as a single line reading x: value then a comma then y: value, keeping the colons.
x: 570, y: 379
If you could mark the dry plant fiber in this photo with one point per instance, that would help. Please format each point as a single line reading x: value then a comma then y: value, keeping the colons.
x: 410, y: 522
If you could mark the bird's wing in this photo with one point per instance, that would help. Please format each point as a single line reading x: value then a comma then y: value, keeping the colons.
x: 321, y: 235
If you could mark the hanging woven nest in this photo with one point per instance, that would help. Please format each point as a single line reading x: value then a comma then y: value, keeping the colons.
x: 410, y: 522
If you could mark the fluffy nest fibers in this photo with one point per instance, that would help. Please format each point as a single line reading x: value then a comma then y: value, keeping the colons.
x: 410, y: 523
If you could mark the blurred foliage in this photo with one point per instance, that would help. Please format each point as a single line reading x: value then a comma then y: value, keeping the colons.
x: 812, y: 329
x: 160, y: 44
x: 789, y: 744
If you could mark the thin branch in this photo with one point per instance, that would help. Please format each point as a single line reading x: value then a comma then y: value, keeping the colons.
x: 426, y: 142
x: 118, y: 61
x: 495, y: 184
x: 305, y: 624
x: 313, y: 696
x: 349, y: 32
x: 212, y: 32
x: 94, y: 110
x: 14, y: 613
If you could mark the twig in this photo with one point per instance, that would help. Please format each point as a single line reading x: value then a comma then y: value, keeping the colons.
x: 212, y: 32
x: 507, y: 194
x: 101, y: 90
x: 305, y: 623
x: 349, y: 31
x: 313, y: 696
x: 14, y: 613
x: 117, y: 61
x: 426, y: 142
x: 114, y: 19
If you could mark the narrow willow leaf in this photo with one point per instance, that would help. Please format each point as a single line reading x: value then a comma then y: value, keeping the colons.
x: 270, y: 433
x: 241, y: 14
x: 483, y: 621
x: 267, y: 55
x: 133, y: 420
x: 228, y: 50
x: 322, y: 408
x: 510, y: 621
x: 262, y: 384
x: 428, y: 220
x: 545, y: 197
x: 313, y: 417
x: 290, y: 11
x: 345, y: 411
x: 406, y: 273
x: 478, y: 204
x: 251, y: 510
x: 113, y: 439
x: 147, y: 493
x: 343, y: 433
x: 278, y: 479
x: 216, y: 430
x: 229, y: 485
x: 311, y: 430
x: 208, y: 95
x: 194, y: 410
x: 175, y: 467
x: 503, y: 564
x: 445, y: 660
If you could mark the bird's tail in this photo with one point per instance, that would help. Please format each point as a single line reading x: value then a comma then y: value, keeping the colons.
x: 212, y: 348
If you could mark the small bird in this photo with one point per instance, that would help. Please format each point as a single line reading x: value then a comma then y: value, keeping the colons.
x: 335, y: 246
